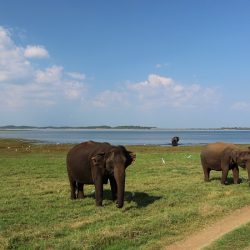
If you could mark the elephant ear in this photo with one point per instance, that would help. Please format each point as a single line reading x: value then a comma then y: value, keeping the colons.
x: 99, y: 160
x: 130, y: 158
x: 235, y: 155
x: 133, y: 157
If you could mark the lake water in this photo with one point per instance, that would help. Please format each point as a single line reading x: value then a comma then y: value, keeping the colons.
x: 129, y: 137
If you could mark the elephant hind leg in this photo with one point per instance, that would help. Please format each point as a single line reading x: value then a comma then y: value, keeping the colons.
x: 72, y: 188
x: 206, y: 173
x: 248, y: 171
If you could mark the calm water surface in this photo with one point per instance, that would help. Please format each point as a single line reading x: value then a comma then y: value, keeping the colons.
x: 129, y: 137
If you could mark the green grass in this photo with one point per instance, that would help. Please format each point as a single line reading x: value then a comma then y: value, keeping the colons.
x: 235, y: 240
x: 163, y: 202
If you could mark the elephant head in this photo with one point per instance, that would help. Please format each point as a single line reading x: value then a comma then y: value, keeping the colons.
x: 114, y: 163
x: 241, y: 157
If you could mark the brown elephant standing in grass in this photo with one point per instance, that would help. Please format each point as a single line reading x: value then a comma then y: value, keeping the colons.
x: 222, y: 156
x: 96, y: 163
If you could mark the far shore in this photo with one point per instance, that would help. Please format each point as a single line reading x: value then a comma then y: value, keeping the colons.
x: 104, y: 127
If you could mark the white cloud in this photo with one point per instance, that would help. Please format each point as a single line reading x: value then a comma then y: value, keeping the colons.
x: 10, y: 97
x: 36, y: 52
x: 110, y: 98
x: 77, y: 76
x: 158, y: 92
x: 241, y: 106
x: 14, y: 67
x: 23, y: 85
x: 5, y: 41
x: 52, y: 75
x: 74, y: 90
x: 163, y: 91
x: 160, y: 65
x: 153, y: 81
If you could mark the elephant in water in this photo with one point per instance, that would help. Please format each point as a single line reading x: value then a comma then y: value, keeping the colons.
x: 175, y: 141
x: 222, y: 156
x: 95, y: 163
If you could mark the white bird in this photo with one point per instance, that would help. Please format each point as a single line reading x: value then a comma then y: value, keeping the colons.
x: 162, y: 160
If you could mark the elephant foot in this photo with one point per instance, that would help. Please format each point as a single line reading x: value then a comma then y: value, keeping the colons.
x: 119, y: 205
x: 114, y: 199
x: 99, y: 204
x: 72, y: 196
x: 80, y: 195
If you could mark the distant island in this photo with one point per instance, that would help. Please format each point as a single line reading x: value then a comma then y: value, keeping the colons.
x: 14, y: 127
x: 235, y: 128
x: 69, y: 127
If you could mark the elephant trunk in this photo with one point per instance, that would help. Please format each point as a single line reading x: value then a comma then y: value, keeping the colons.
x: 119, y: 174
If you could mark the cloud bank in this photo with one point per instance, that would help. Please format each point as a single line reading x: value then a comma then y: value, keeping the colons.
x: 157, y: 92
x: 26, y: 87
x: 22, y: 84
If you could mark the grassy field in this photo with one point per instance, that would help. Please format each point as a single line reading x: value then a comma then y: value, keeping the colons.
x: 163, y: 202
x: 235, y: 240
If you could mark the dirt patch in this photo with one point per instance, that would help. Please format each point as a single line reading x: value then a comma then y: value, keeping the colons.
x: 207, y: 235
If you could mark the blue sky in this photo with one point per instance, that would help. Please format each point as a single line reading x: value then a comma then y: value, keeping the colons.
x: 170, y: 64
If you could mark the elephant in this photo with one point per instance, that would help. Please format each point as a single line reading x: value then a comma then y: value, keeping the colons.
x: 95, y: 163
x: 175, y: 141
x: 221, y: 156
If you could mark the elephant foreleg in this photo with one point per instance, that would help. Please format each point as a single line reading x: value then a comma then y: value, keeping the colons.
x: 80, y: 193
x: 224, y: 175
x: 236, y: 175
x: 113, y: 186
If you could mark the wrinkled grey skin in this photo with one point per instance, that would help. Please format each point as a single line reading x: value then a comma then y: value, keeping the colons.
x: 96, y: 163
x: 223, y: 157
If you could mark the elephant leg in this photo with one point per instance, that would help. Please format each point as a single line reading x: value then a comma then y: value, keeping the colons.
x: 80, y: 193
x: 236, y: 175
x: 249, y: 177
x: 224, y: 176
x: 248, y: 171
x: 72, y: 188
x: 113, y: 186
x: 206, y: 173
x: 98, y: 191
